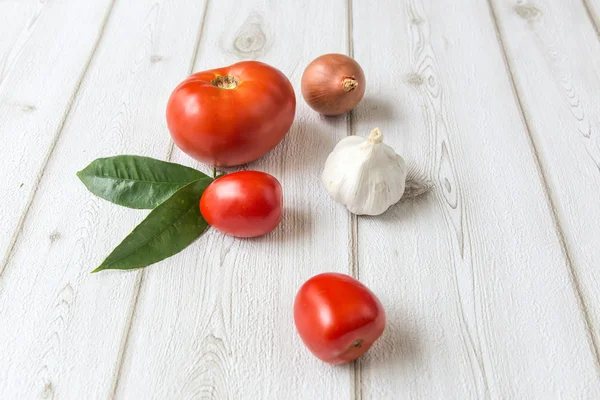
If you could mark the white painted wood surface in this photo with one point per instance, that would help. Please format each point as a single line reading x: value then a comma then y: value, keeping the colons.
x: 481, y: 278
x: 490, y: 281
x: 557, y: 82
x: 45, y: 55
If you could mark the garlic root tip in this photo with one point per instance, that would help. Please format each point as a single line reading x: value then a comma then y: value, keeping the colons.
x: 375, y: 136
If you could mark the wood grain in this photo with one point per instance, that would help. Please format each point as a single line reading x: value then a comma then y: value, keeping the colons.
x: 63, y: 329
x: 557, y: 82
x: 490, y: 281
x: 216, y: 320
x: 39, y: 75
x: 478, y: 292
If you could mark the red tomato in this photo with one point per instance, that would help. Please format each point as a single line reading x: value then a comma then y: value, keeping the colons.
x: 231, y: 115
x: 337, y: 317
x: 243, y: 204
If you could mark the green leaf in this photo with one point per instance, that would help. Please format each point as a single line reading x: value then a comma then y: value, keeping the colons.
x: 167, y: 230
x: 136, y: 182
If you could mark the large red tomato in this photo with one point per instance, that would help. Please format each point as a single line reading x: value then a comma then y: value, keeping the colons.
x: 232, y: 115
x: 337, y: 317
x: 243, y: 204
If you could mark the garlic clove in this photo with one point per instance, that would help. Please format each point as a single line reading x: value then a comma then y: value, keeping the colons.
x: 365, y: 174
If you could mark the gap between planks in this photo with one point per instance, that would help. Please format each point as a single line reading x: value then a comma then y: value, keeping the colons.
x: 547, y: 190
x: 50, y: 152
x: 592, y: 18
x: 140, y: 277
x: 356, y: 368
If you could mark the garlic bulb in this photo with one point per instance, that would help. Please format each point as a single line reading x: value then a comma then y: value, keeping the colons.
x: 365, y: 175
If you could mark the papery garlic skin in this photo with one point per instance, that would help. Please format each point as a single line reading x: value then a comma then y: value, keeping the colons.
x: 365, y: 175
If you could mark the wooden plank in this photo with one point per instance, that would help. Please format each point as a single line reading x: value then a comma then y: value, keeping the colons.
x: 15, y: 17
x: 63, y: 329
x: 478, y: 292
x: 216, y: 320
x: 557, y: 82
x: 38, y: 78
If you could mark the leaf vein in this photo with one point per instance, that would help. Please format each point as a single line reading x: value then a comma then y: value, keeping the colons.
x: 142, y: 180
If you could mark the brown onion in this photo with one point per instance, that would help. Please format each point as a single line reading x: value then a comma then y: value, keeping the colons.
x: 333, y: 84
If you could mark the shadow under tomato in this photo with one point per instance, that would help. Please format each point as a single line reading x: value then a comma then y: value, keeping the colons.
x: 398, y: 346
x: 295, y: 225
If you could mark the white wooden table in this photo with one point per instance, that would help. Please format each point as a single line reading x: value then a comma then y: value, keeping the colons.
x: 491, y: 282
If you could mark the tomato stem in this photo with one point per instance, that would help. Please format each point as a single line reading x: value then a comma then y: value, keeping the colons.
x: 214, y: 172
x: 225, y: 82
